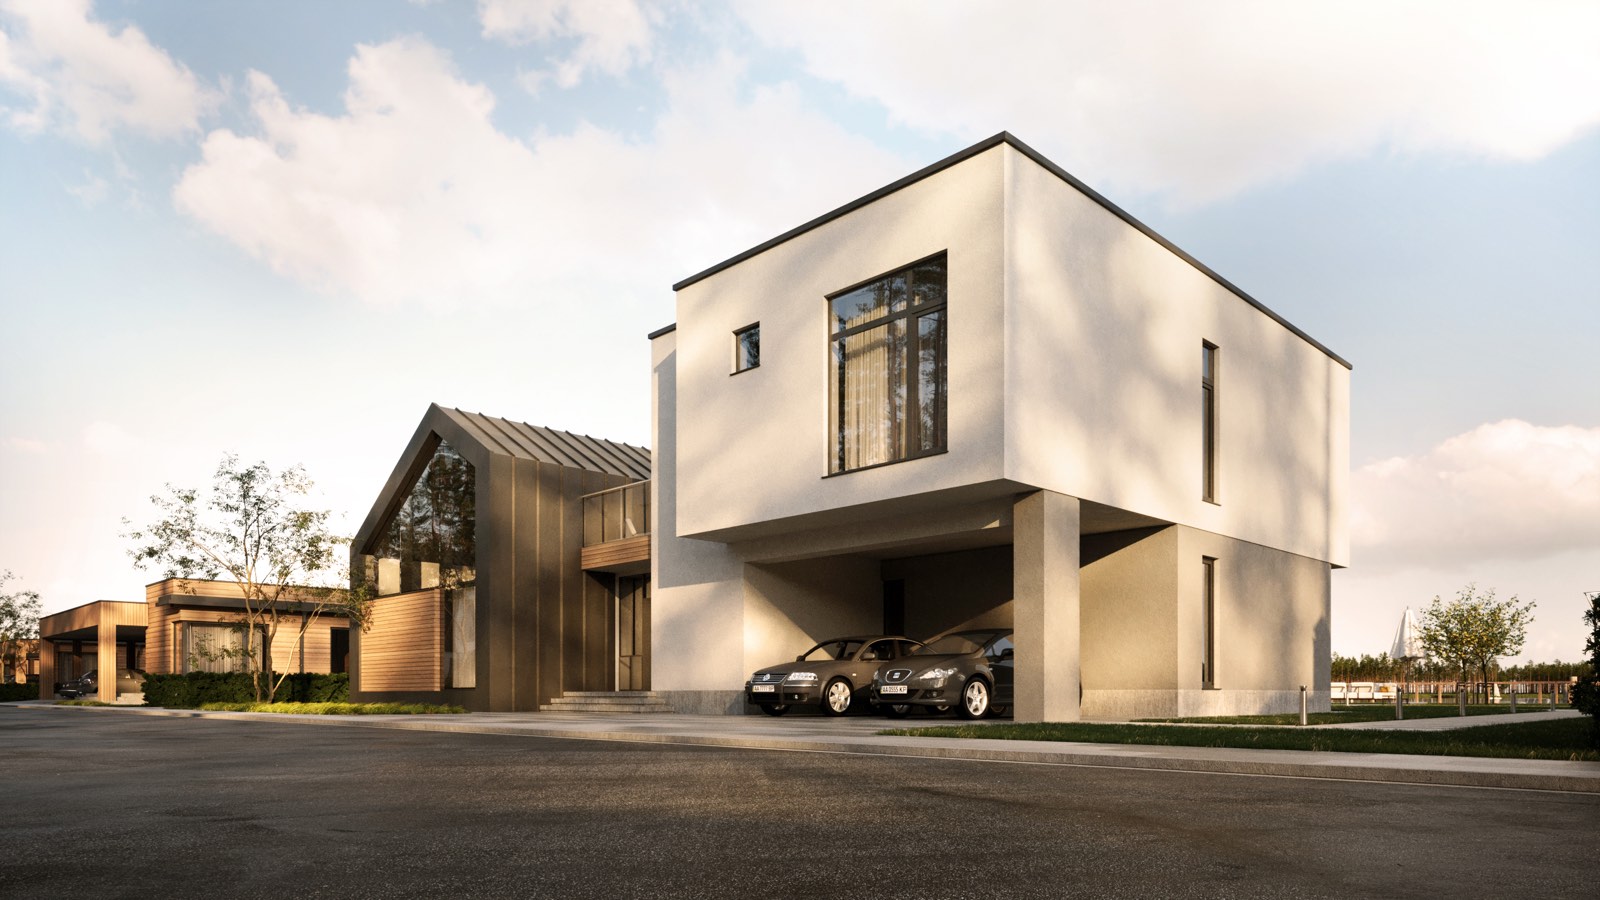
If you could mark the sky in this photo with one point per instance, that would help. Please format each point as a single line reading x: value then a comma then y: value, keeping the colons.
x: 281, y: 229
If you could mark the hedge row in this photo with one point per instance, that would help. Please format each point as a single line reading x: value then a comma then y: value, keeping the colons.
x: 194, y: 689
x: 12, y: 692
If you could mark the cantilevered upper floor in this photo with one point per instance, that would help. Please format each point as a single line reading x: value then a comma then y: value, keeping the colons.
x: 984, y: 327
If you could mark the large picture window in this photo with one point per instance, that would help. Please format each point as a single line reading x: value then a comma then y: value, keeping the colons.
x: 887, y: 339
x: 431, y: 539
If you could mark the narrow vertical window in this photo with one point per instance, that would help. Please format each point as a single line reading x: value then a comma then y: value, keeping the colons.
x: 1208, y: 422
x: 747, y: 348
x: 1208, y: 591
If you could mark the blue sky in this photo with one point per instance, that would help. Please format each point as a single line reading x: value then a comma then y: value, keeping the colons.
x: 283, y: 228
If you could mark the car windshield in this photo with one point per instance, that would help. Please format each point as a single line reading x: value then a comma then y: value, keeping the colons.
x: 831, y: 650
x: 960, y: 642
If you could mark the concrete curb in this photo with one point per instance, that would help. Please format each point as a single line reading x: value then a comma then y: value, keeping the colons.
x: 1450, y: 771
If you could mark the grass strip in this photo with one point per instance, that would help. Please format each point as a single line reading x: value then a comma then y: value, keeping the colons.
x: 83, y: 703
x: 1367, y: 713
x: 1561, y: 739
x: 337, y: 709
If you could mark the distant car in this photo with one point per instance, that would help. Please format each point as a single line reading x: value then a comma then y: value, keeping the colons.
x: 970, y: 670
x: 129, y: 681
x: 831, y: 674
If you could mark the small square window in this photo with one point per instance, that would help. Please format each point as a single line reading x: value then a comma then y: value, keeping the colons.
x: 747, y: 348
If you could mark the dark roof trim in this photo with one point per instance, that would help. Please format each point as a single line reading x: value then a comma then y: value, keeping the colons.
x: 1005, y: 137
x: 670, y: 328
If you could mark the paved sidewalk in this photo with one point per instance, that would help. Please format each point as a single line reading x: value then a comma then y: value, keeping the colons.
x: 857, y: 734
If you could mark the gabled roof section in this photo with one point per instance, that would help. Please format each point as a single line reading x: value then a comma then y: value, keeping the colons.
x: 1006, y: 138
x: 563, y: 448
x: 478, y: 438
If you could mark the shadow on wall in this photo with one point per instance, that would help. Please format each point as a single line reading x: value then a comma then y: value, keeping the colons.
x: 953, y: 591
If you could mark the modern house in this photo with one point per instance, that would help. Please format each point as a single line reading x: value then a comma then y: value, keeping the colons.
x: 980, y: 396
x: 985, y: 395
x: 183, y: 625
x: 486, y: 595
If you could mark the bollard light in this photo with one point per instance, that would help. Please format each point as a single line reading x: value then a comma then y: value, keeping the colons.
x: 1303, y: 719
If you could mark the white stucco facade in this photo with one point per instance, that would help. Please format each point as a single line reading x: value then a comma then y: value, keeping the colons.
x: 1073, y: 367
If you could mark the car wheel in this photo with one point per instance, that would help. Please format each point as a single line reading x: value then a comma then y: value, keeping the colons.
x: 896, y: 710
x: 996, y: 712
x: 974, y: 699
x: 774, y: 709
x: 836, y: 697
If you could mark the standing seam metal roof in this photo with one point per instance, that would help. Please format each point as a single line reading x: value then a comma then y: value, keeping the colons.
x: 562, y: 448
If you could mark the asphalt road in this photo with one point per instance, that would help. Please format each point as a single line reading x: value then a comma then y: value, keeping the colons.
x: 110, y: 805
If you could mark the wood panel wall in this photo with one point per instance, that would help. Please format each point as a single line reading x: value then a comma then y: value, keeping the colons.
x: 185, y: 602
x: 628, y: 554
x: 404, y: 647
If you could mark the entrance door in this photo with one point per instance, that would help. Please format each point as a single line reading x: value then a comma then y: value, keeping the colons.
x: 633, y: 632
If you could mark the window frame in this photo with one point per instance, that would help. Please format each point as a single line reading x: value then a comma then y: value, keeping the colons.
x: 1210, y: 359
x: 1208, y: 623
x: 739, y: 356
x: 910, y: 314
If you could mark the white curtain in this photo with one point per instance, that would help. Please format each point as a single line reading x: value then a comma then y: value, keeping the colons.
x: 464, y: 637
x: 215, y: 648
x: 872, y: 395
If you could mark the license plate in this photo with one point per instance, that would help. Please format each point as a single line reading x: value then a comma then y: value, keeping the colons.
x: 892, y: 689
x: 763, y: 689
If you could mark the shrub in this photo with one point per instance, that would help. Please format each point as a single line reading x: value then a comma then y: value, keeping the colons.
x: 12, y: 692
x: 195, y: 689
x: 1586, y: 693
x: 338, y: 709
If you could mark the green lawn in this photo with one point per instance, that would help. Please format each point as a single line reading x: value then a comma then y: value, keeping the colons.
x: 1538, y: 738
x: 1368, y: 712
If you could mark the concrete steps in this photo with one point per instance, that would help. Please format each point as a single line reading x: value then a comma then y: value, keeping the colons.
x: 609, y: 702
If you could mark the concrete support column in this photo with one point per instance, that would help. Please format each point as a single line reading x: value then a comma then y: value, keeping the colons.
x: 1045, y: 591
x: 105, y: 645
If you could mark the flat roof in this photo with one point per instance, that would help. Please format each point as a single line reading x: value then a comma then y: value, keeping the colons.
x: 1004, y: 137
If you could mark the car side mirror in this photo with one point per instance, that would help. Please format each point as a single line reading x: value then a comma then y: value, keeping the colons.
x: 800, y: 658
x: 1007, y: 653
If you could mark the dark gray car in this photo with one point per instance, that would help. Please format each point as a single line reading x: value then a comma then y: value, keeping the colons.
x: 129, y: 681
x: 970, y: 670
x: 833, y: 674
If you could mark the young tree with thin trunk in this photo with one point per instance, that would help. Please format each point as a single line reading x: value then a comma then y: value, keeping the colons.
x: 19, y: 625
x: 254, y: 529
x: 1472, y: 632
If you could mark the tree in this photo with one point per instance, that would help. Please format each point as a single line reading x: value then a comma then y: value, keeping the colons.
x: 1586, y: 694
x: 19, y: 624
x: 1472, y: 632
x: 254, y: 529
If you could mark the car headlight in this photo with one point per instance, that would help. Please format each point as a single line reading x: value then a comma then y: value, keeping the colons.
x: 801, y: 677
x: 936, y: 676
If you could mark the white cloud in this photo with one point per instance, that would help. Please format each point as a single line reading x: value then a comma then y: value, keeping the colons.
x: 85, y: 79
x: 1505, y: 490
x: 108, y: 439
x: 91, y: 191
x: 413, y: 194
x: 611, y: 36
x: 27, y: 445
x: 1202, y: 100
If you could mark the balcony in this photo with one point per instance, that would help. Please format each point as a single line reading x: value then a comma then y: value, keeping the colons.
x: 616, y: 530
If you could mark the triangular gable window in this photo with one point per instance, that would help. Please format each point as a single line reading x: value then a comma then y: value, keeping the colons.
x: 430, y: 541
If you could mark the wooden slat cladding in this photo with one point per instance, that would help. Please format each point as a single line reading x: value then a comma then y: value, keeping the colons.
x: 162, y: 649
x: 192, y: 592
x: 92, y: 615
x: 403, y: 649
x: 613, y: 556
